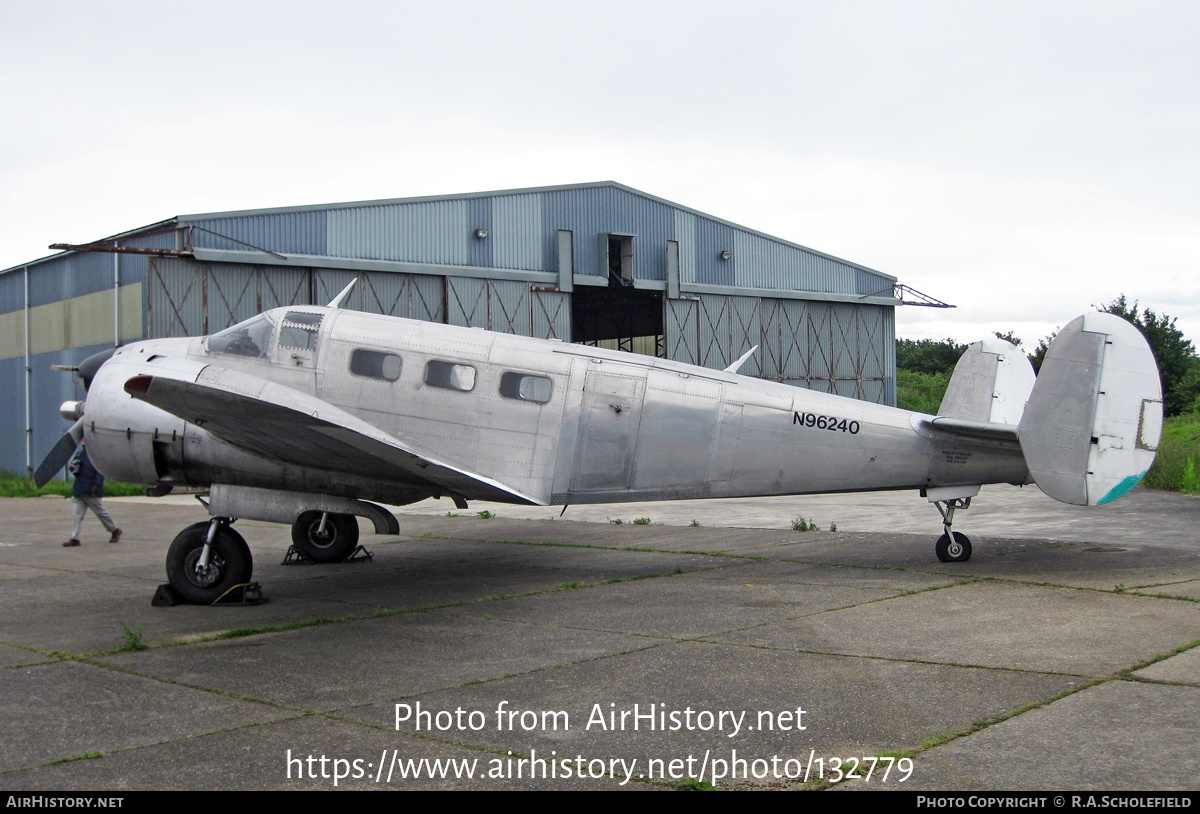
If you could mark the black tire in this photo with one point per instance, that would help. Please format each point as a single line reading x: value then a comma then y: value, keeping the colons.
x: 958, y: 551
x: 338, y: 541
x: 230, y: 563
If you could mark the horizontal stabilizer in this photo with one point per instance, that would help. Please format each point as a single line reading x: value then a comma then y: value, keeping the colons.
x: 991, y: 384
x: 1092, y: 423
x: 984, y: 430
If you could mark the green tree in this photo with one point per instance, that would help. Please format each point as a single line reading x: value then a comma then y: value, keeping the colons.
x: 1176, y: 357
x: 928, y: 355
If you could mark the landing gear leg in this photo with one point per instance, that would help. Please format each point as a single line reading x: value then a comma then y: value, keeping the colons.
x: 953, y: 546
x: 207, y: 559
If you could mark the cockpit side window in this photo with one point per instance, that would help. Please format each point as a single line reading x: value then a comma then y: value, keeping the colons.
x: 250, y: 338
x: 300, y: 330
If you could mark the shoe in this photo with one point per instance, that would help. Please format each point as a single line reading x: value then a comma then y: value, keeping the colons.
x: 116, y: 537
x: 70, y: 543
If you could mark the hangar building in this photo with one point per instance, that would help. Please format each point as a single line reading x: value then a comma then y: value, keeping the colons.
x: 598, y: 263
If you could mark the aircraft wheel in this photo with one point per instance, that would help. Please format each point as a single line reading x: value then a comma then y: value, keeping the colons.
x: 229, y: 564
x: 956, y: 550
x: 334, y: 544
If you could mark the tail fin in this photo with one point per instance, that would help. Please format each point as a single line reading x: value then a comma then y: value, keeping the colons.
x: 991, y: 383
x: 1091, y: 427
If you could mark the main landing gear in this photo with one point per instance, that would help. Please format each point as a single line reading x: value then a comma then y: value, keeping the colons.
x: 325, y: 537
x: 207, y: 561
x: 953, y: 546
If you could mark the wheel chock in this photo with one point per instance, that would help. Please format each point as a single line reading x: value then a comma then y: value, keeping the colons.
x: 295, y: 556
x: 166, y: 597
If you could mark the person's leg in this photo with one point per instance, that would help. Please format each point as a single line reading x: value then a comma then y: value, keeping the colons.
x: 78, y: 510
x: 96, y: 504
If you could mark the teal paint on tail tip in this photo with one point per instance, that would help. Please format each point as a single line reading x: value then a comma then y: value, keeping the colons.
x: 1121, y: 489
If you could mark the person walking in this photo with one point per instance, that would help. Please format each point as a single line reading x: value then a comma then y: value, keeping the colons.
x: 88, y: 493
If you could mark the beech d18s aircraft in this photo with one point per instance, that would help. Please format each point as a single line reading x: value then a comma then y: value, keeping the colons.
x: 305, y: 415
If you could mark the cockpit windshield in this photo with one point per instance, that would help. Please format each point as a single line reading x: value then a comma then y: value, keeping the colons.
x: 250, y: 338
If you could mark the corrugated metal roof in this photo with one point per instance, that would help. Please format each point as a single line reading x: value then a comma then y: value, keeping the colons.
x: 521, y: 225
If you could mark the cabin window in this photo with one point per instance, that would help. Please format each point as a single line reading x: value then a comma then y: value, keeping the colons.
x: 250, y: 338
x: 525, y: 387
x: 375, y: 364
x: 300, y: 330
x: 450, y: 376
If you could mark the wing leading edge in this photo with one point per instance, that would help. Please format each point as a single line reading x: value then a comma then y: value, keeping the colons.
x: 280, y: 423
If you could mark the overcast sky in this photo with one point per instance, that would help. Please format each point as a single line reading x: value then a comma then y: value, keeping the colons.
x: 1022, y: 160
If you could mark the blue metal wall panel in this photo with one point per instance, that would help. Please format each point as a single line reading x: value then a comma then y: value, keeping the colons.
x: 592, y: 211
x: 50, y: 389
x: 12, y: 291
x: 299, y: 232
x: 712, y: 238
x: 12, y: 415
x: 71, y: 275
x: 479, y: 216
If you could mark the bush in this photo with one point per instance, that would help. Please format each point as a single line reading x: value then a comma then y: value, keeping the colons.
x: 921, y: 392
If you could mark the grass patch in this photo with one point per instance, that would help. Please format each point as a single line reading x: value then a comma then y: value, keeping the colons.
x: 642, y: 521
x: 1175, y: 465
x: 133, y: 640
x: 14, y: 485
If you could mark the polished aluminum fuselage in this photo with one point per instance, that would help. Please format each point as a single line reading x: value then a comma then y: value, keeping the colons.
x: 616, y: 426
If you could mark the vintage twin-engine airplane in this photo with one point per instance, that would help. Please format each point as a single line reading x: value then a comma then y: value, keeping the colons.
x: 305, y: 414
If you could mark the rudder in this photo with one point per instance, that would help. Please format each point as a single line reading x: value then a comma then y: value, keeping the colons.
x: 1092, y: 423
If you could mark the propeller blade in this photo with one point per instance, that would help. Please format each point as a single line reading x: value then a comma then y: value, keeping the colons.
x: 60, y: 455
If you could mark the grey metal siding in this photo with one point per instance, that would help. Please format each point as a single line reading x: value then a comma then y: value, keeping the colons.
x: 832, y: 347
x: 427, y: 232
x: 518, y: 237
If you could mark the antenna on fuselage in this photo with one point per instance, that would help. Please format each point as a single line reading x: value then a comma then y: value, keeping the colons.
x: 336, y: 302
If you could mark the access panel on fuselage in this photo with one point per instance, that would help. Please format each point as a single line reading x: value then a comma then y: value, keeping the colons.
x: 679, y: 423
x: 608, y: 428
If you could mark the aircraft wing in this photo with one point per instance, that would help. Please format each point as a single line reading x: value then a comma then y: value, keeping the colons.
x: 280, y: 423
